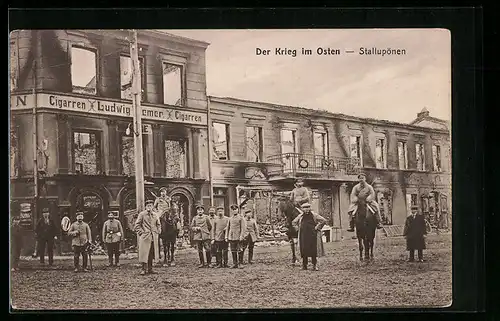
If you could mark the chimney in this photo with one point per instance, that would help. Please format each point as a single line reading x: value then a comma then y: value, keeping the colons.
x: 423, y: 113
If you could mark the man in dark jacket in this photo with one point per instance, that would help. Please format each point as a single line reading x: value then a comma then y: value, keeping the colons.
x: 414, y: 231
x: 16, y: 241
x: 46, y: 233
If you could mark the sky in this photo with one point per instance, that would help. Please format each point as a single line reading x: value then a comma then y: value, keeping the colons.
x: 392, y: 87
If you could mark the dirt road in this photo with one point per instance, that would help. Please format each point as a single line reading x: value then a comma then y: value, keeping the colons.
x: 272, y: 282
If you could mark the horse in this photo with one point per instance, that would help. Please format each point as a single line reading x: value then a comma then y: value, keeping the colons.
x: 290, y: 212
x: 366, y: 225
x: 168, y: 235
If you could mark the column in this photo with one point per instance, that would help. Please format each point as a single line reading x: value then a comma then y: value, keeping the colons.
x: 195, y: 159
x: 114, y: 147
x: 158, y: 151
x: 62, y: 143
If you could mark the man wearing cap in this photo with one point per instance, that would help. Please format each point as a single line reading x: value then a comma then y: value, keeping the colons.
x: 112, y: 235
x: 211, y: 218
x: 46, y: 233
x: 234, y: 233
x: 250, y: 236
x: 162, y: 203
x: 362, y: 194
x: 300, y: 194
x: 309, y: 224
x: 219, y: 238
x: 201, y: 228
x: 81, y: 237
x: 148, y: 228
x: 16, y: 242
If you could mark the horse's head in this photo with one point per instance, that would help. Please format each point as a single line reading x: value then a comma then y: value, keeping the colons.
x: 287, y: 208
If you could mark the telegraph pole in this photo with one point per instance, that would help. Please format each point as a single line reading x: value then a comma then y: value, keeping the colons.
x: 137, y: 129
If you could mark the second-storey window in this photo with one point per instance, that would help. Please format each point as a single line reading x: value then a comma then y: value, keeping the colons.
x: 402, y: 155
x: 126, y: 72
x: 436, y: 158
x: 320, y: 144
x: 420, y: 155
x: 87, y: 152
x: 172, y: 84
x: 355, y: 146
x: 220, y: 141
x: 175, y: 159
x: 83, y: 71
x: 253, y: 143
x: 380, y: 153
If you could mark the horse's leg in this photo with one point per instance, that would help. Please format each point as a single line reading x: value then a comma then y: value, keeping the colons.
x: 371, y: 248
x: 360, y: 243
x: 165, y: 250
x: 366, y: 243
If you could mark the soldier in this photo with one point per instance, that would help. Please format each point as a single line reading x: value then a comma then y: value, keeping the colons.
x: 81, y: 237
x: 361, y: 194
x: 112, y: 234
x: 16, y: 241
x: 148, y: 227
x: 218, y: 238
x: 46, y: 233
x: 250, y: 236
x: 201, y: 228
x: 300, y: 194
x: 162, y: 203
x: 213, y: 249
x: 234, y: 233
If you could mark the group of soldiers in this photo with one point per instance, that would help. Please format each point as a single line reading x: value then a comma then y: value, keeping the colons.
x: 213, y: 234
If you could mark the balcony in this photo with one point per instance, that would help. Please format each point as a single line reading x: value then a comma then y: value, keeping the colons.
x: 294, y: 164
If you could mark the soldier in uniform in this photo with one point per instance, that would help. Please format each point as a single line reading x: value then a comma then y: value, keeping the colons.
x: 234, y: 233
x: 300, y: 194
x: 219, y: 238
x: 361, y: 194
x: 250, y: 236
x: 16, y: 242
x: 148, y: 227
x: 112, y: 234
x: 81, y: 238
x: 213, y: 249
x: 162, y: 203
x: 201, y: 228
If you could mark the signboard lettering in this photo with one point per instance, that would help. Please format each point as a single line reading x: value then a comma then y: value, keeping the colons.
x: 107, y: 107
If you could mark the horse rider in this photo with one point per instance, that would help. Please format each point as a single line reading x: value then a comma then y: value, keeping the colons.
x: 362, y: 193
x: 162, y: 203
x: 300, y: 194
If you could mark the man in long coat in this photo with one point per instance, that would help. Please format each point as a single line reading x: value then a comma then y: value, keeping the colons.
x: 414, y: 231
x: 309, y: 224
x: 250, y: 236
x: 148, y: 227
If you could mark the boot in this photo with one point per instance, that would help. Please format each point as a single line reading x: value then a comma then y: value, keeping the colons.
x: 412, y: 256
x: 351, y: 225
x: 144, y: 268
x: 110, y: 261
x: 235, y: 260
x: 202, y: 260
x: 240, y: 257
x: 208, y: 254
x: 250, y: 256
x: 225, y: 259
x: 218, y: 259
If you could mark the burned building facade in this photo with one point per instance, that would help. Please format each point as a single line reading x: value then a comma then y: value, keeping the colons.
x: 261, y: 146
x: 71, y: 110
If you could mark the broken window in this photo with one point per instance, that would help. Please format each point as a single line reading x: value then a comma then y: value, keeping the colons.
x: 402, y: 155
x: 172, y: 84
x: 321, y: 144
x: 83, y: 70
x: 355, y: 146
x: 380, y: 153
x: 220, y: 141
x: 175, y: 159
x: 436, y: 158
x: 419, y: 150
x: 86, y: 152
x: 253, y: 144
x: 126, y: 72
x: 128, y: 155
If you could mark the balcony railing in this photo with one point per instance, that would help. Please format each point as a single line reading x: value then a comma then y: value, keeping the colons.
x: 294, y: 163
